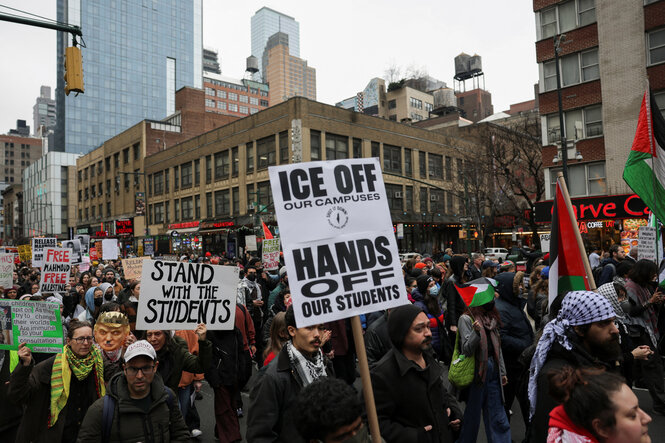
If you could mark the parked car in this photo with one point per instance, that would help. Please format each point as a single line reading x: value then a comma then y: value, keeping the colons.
x: 496, y: 254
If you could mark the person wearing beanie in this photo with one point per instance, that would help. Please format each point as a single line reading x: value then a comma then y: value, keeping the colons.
x: 451, y: 298
x: 411, y: 400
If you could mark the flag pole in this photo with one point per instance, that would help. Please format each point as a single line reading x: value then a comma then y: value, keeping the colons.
x: 653, y: 168
x: 578, y: 236
x: 363, y: 368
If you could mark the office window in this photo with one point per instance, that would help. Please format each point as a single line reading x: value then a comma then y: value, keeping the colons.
x: 251, y: 197
x: 265, y: 151
x: 586, y: 11
x: 222, y: 165
x: 209, y: 103
x: 235, y: 161
x: 586, y: 179
x: 244, y: 99
x: 423, y: 199
x: 187, y: 208
x: 579, y: 124
x: 222, y: 207
x: 221, y: 94
x: 167, y: 212
x: 437, y: 201
x: 209, y: 204
x: 221, y: 105
x: 137, y: 151
x: 574, y: 68
x: 392, y: 158
x: 337, y: 147
x: 126, y: 176
x: 197, y: 172
x: 175, y: 178
x: 408, y: 199
x: 159, y: 213
x: 264, y: 195
x: 315, y: 145
x: 593, y: 121
x: 283, y: 147
x: 167, y: 173
x: 108, y: 209
x: 108, y: 187
x: 394, y: 194
x: 186, y: 175
x: 250, y: 157
x: 376, y: 150
x: 590, y: 70
x: 416, y: 103
x: 656, y: 46
x: 243, y: 110
x: 85, y: 171
x: 435, y: 166
x: 422, y: 164
x: 357, y: 148
x: 254, y: 101
x: 92, y: 170
x: 235, y: 192
x: 449, y: 168
x: 233, y: 96
x: 392, y: 104
x: 208, y: 169
x: 548, y: 26
x: 125, y: 155
x: 80, y: 176
x: 197, y: 206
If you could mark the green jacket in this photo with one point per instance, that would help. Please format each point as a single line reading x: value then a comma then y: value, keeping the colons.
x: 175, y: 357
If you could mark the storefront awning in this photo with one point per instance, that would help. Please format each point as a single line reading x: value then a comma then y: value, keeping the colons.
x: 182, y: 231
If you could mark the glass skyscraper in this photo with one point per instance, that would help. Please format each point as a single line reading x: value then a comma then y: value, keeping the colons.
x: 137, y: 54
x: 265, y: 23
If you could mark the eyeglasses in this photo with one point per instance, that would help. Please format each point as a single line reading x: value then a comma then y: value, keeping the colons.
x: 146, y: 370
x: 81, y: 340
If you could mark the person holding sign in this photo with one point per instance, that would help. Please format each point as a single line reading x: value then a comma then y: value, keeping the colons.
x: 298, y: 364
x: 57, y: 392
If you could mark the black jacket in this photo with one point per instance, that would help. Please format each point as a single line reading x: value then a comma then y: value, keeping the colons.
x: 516, y: 332
x: 448, y: 295
x: 227, y: 351
x: 377, y: 341
x: 175, y: 357
x: 409, y: 398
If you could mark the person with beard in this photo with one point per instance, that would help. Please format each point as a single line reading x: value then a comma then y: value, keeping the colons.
x: 450, y: 297
x: 643, y: 308
x: 479, y: 336
x: 298, y: 364
x: 412, y: 402
x: 582, y: 335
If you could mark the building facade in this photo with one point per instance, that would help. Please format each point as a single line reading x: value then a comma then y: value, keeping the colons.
x: 286, y: 75
x: 137, y: 55
x: 12, y: 202
x: 476, y: 104
x: 43, y: 112
x: 228, y: 96
x: 267, y: 22
x: 47, y: 183
x: 211, y: 62
x: 207, y: 193
x: 16, y: 154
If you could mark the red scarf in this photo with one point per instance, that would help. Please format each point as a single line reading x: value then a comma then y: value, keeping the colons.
x: 560, y: 420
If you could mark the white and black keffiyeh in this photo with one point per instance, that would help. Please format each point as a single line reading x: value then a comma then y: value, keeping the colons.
x: 578, y: 308
x: 306, y: 369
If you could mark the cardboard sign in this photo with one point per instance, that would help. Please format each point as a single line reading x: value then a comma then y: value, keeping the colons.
x: 178, y: 295
x: 337, y: 235
x: 85, y: 243
x: 132, y: 267
x: 75, y: 246
x: 270, y: 254
x: 36, y: 323
x: 38, y: 245
x: 25, y: 253
x: 646, y: 243
x: 109, y: 249
x: 55, y: 273
x: 6, y: 270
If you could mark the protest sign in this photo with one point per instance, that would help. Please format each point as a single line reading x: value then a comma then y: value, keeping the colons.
x: 85, y: 243
x: 25, y: 252
x: 6, y: 270
x: 337, y: 237
x: 132, y: 267
x: 36, y: 323
x: 85, y: 264
x: 55, y: 272
x: 75, y: 246
x: 149, y: 246
x: 250, y: 243
x: 109, y: 249
x: 545, y: 243
x: 177, y: 295
x: 646, y: 243
x: 271, y: 254
x: 38, y: 245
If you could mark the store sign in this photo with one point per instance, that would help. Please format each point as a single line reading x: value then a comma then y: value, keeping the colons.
x: 594, y: 208
x: 100, y: 234
x: 124, y: 227
x: 216, y: 225
x: 85, y: 230
x: 186, y: 225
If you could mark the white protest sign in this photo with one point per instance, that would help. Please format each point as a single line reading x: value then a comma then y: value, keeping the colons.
x: 85, y: 263
x: 545, y: 243
x: 85, y: 243
x: 38, y: 245
x: 646, y: 243
x: 56, y: 269
x: 337, y: 236
x: 177, y: 295
x: 6, y: 270
x: 109, y: 249
x: 250, y: 243
x: 75, y: 246
x: 270, y: 257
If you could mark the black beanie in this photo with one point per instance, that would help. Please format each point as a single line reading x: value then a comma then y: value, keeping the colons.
x: 423, y: 282
x: 399, y: 322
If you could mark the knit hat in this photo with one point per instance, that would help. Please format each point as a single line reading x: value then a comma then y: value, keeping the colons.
x: 399, y: 323
x: 422, y: 281
x: 282, y: 271
x: 428, y: 259
x: 420, y: 265
x: 446, y: 257
x: 545, y: 273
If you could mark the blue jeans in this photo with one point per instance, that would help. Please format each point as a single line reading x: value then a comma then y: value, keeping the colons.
x: 184, y: 399
x: 486, y: 398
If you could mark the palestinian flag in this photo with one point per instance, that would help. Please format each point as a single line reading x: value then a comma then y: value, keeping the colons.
x: 477, y: 292
x: 266, y: 232
x: 645, y: 168
x: 567, y: 271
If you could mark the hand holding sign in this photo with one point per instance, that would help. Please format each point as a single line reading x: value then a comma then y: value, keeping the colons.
x: 24, y: 354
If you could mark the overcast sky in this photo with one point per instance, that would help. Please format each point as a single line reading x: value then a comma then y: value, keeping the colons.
x: 348, y: 42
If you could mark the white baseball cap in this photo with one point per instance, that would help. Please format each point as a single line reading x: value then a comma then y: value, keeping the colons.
x: 141, y: 347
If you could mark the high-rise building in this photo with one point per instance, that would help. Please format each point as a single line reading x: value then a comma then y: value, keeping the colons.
x: 43, y: 113
x: 265, y: 23
x: 136, y: 55
x: 211, y: 61
x: 286, y: 75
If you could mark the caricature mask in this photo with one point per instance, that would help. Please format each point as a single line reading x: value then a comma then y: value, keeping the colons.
x: 111, y: 330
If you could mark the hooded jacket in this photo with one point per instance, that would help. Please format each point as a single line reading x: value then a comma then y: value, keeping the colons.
x: 562, y: 429
x: 162, y: 423
x: 516, y: 332
x: 418, y: 295
x: 449, y: 296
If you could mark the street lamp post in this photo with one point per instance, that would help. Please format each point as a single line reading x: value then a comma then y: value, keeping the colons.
x: 564, y: 145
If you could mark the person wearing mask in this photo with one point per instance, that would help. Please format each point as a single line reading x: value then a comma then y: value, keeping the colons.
x: 429, y: 304
x: 596, y: 406
x: 57, y: 392
x: 412, y: 402
x: 253, y: 295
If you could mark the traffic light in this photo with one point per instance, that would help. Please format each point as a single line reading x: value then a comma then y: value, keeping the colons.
x: 73, y: 70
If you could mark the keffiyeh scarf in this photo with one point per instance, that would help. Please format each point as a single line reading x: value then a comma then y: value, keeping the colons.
x: 306, y: 369
x: 578, y: 308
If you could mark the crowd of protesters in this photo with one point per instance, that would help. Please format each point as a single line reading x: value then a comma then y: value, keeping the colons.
x: 568, y: 365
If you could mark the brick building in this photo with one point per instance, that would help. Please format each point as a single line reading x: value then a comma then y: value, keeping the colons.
x: 287, y: 75
x: 12, y: 202
x: 224, y: 95
x: 16, y: 153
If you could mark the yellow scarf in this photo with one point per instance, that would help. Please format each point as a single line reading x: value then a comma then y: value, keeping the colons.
x: 64, y: 365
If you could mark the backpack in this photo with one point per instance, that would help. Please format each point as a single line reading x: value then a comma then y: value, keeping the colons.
x: 109, y: 411
x: 597, y: 272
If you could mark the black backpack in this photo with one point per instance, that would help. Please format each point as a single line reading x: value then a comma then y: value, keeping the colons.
x: 597, y: 272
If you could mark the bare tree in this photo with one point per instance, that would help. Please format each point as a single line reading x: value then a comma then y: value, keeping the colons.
x: 393, y: 73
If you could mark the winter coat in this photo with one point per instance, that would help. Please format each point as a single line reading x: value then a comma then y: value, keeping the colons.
x: 270, y: 417
x: 608, y: 271
x: 30, y: 386
x: 469, y: 344
x: 10, y: 412
x: 449, y: 296
x: 164, y: 423
x: 377, y: 340
x: 419, y: 301
x: 516, y: 332
x: 174, y: 358
x: 409, y: 398
x: 227, y: 363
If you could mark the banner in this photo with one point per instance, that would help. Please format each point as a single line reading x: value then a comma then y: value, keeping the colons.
x: 181, y: 295
x: 131, y: 267
x: 270, y: 254
x: 56, y: 269
x: 36, y: 323
x: 338, y: 241
x: 85, y: 243
x: 545, y: 243
x: 75, y: 246
x: 646, y: 243
x: 38, y: 245
x: 25, y: 253
x: 6, y: 270
x: 140, y: 203
x: 109, y: 249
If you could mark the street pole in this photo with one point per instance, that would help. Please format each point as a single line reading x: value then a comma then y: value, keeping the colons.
x: 564, y: 144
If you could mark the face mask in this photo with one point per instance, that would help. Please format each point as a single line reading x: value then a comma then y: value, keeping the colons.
x: 434, y: 291
x: 108, y: 296
x: 488, y: 306
x: 251, y: 277
x: 98, y: 301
